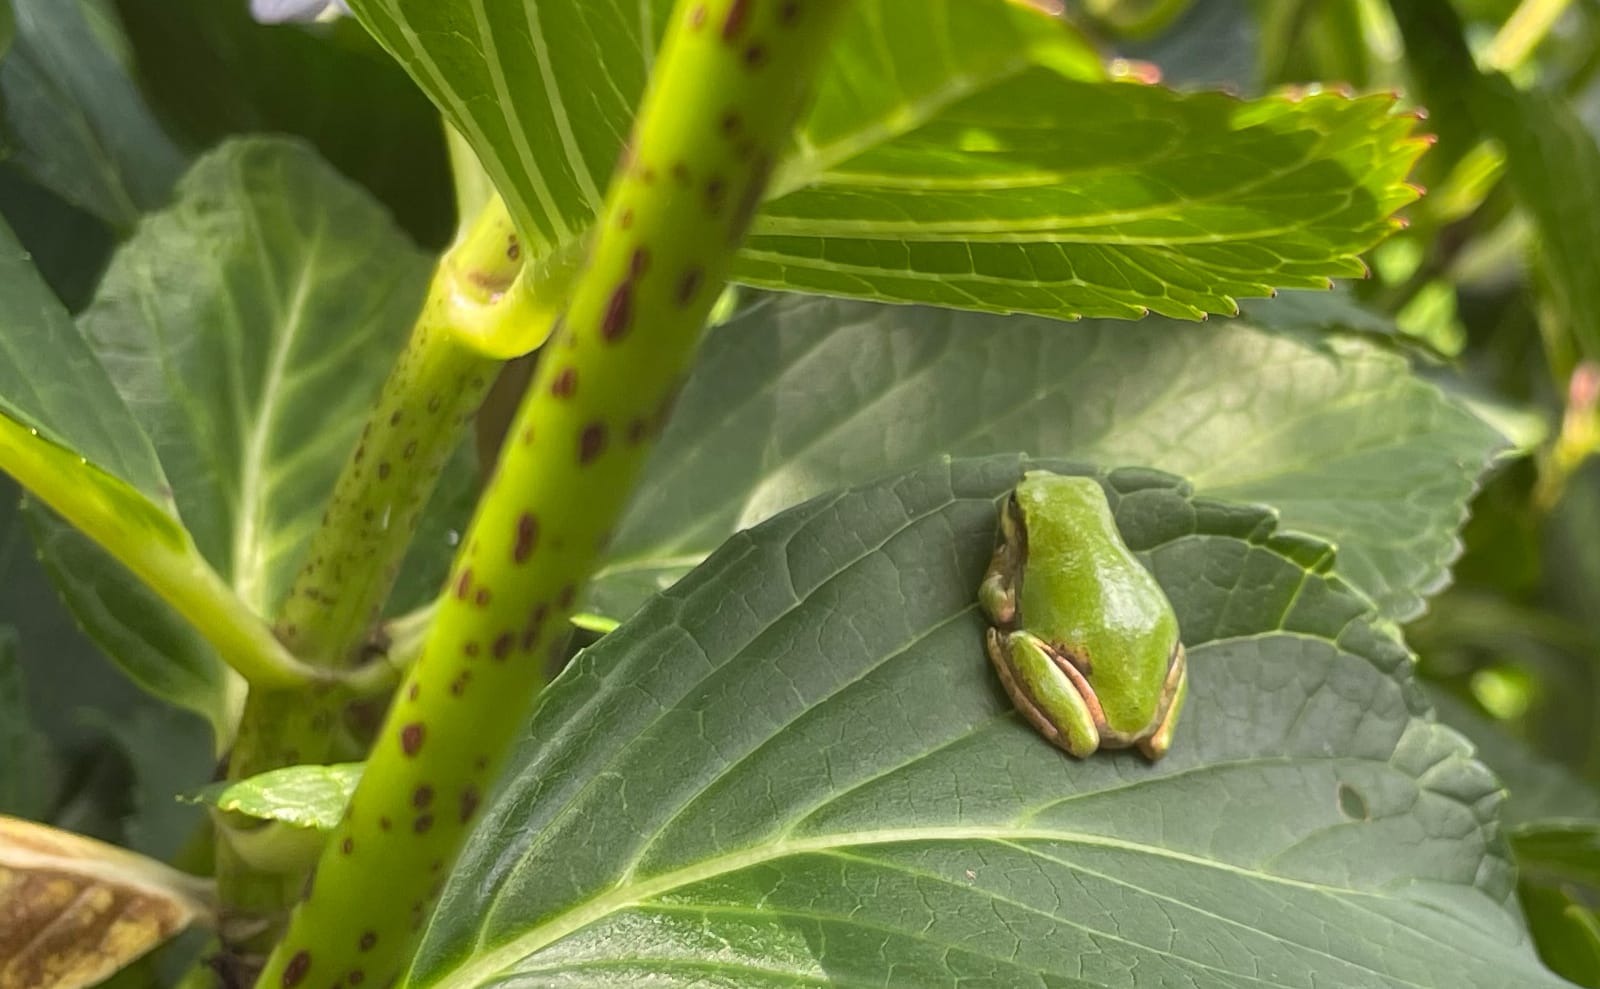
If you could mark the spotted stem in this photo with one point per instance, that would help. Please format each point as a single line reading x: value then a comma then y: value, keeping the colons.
x: 729, y: 83
x: 352, y: 560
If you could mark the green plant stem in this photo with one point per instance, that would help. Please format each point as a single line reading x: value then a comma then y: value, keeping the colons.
x: 355, y: 555
x: 434, y: 388
x: 155, y: 547
x: 1522, y: 32
x: 729, y: 83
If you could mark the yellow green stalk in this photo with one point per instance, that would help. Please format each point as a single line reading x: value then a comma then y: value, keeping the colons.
x: 729, y: 83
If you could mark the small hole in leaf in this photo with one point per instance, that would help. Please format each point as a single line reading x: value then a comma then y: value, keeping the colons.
x: 1351, y: 803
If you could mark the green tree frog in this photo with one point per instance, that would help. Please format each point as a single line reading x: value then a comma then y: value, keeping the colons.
x: 1081, y: 634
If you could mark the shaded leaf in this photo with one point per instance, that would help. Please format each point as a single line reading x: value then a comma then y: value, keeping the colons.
x: 248, y: 328
x: 303, y: 796
x: 167, y: 753
x: 1559, y: 851
x: 146, y: 637
x: 1567, y: 930
x: 51, y: 381
x: 76, y: 910
x: 1552, y: 160
x: 1540, y: 788
x: 211, y: 71
x: 799, y: 396
x: 25, y: 778
x: 808, y: 774
x: 76, y: 123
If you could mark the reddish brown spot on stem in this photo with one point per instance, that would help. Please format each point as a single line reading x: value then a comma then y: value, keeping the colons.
x: 384, y: 824
x: 716, y: 192
x: 469, y: 803
x: 513, y: 248
x: 527, y: 538
x: 356, y: 977
x: 689, y: 285
x: 422, y: 824
x: 788, y: 12
x: 483, y: 597
x: 347, y: 846
x: 411, y: 737
x: 458, y: 686
x: 296, y: 970
x: 564, y: 601
x: 639, y: 262
x: 619, y: 313
x: 734, y: 22
x: 566, y: 383
x: 591, y: 442
x: 731, y: 123
x: 530, y: 634
x: 470, y: 648
x: 637, y: 431
x: 625, y: 219
x: 394, y: 420
x: 697, y: 17
x: 383, y: 471
x: 502, y: 645
x: 422, y: 796
x: 369, y: 940
x: 755, y: 56
x: 464, y: 583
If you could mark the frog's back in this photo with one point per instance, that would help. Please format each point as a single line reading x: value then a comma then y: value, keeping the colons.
x: 1087, y: 593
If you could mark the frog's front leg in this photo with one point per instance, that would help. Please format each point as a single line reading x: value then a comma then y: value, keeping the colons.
x: 1050, y: 692
x: 1177, y: 688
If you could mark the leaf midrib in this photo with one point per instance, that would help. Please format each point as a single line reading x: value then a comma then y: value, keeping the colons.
x: 249, y: 563
x: 487, y: 964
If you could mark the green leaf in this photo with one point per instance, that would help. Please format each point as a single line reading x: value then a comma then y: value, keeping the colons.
x: 800, y: 396
x: 808, y: 774
x: 64, y: 671
x: 8, y: 26
x: 51, y: 381
x: 1541, y: 788
x: 302, y: 796
x: 25, y: 777
x: 1559, y: 851
x: 74, y: 120
x: 1567, y: 930
x: 961, y: 152
x: 1067, y: 198
x: 1552, y: 160
x: 167, y: 753
x: 148, y: 638
x: 578, y: 69
x: 211, y: 71
x: 248, y: 327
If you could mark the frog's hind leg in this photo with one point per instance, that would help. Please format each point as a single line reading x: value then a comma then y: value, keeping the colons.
x: 1160, y: 740
x: 1050, y: 698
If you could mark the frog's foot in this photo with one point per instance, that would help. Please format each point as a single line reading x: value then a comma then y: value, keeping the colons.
x: 1156, y: 745
x: 1048, y: 692
x: 997, y: 595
